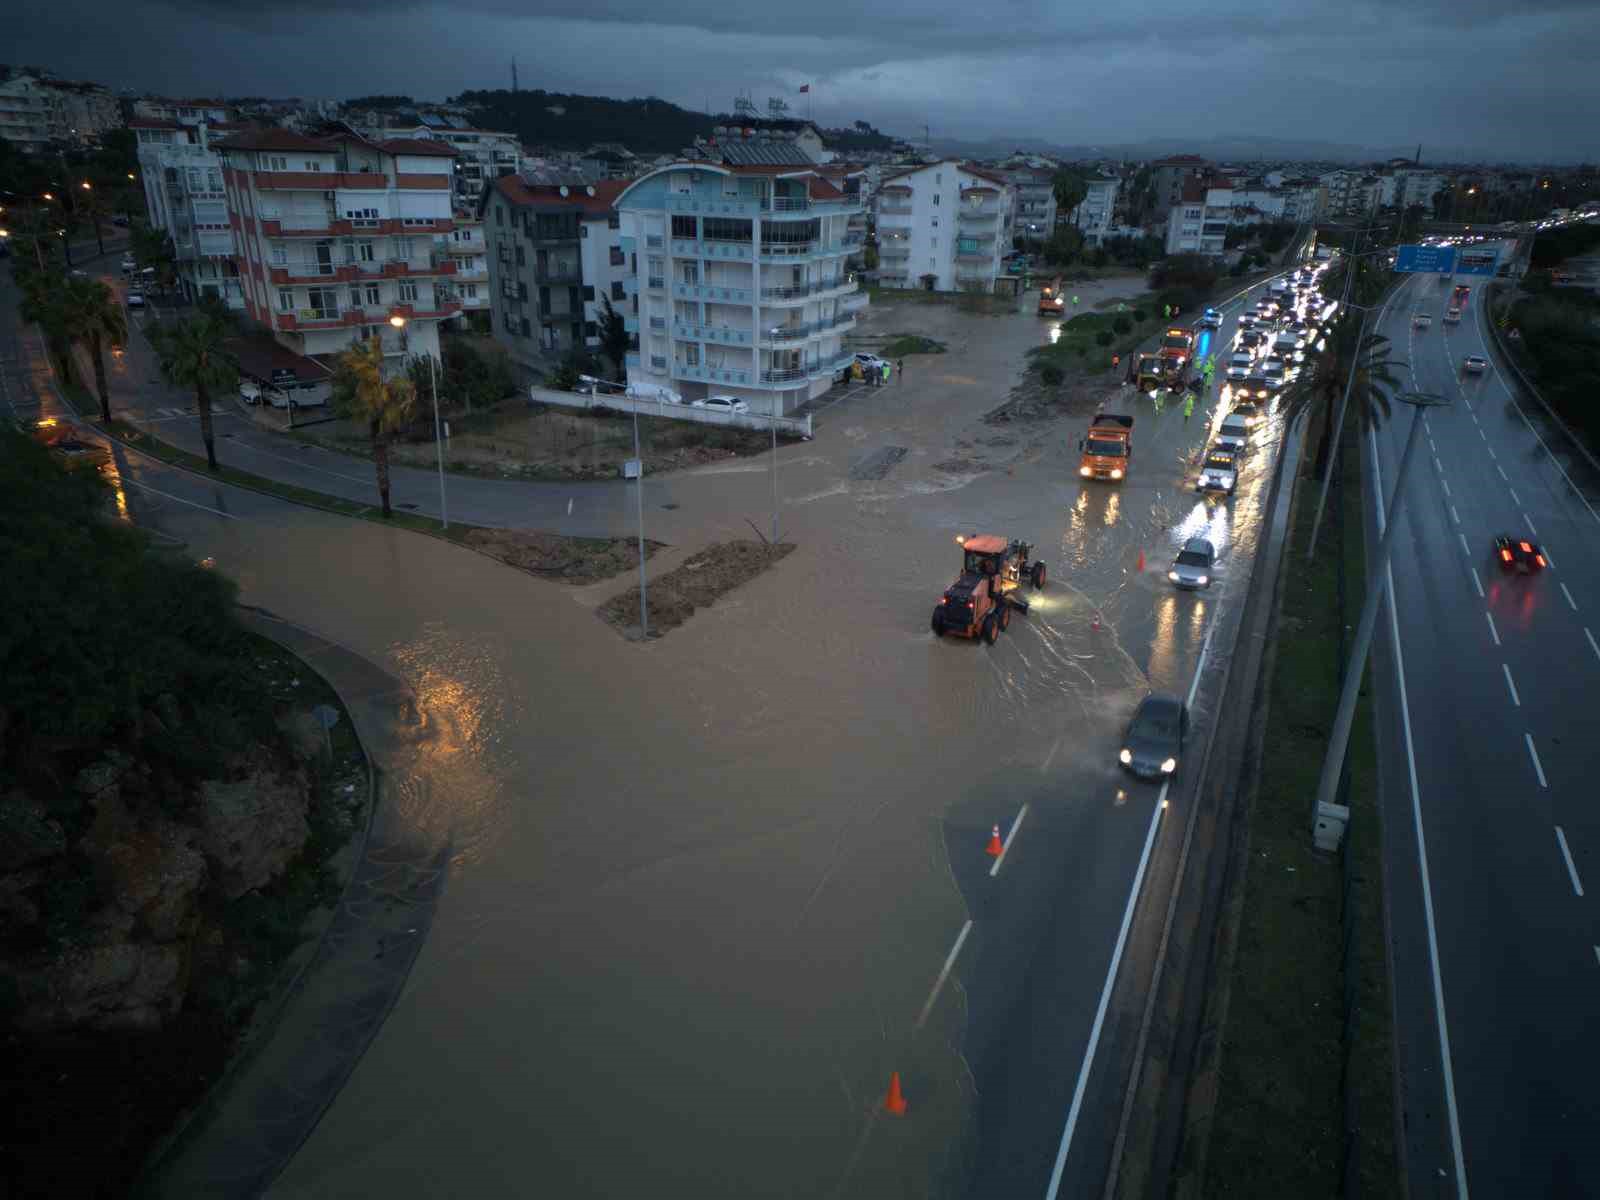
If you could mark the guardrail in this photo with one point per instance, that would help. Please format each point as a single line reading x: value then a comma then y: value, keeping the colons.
x: 798, y: 426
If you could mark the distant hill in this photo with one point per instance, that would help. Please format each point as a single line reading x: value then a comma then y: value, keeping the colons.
x: 1230, y: 148
x: 562, y: 121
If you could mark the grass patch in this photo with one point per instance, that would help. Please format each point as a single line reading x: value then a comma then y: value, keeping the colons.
x: 902, y: 344
x: 1280, y: 1109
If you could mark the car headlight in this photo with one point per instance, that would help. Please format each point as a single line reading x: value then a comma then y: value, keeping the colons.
x: 1085, y: 472
x: 1116, y: 472
x: 1172, y: 575
x: 1126, y: 756
x: 1203, y: 580
x: 1169, y: 766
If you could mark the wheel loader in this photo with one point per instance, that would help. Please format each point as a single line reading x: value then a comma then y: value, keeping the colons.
x: 980, y: 602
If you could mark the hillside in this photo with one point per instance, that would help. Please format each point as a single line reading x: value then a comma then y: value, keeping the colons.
x: 561, y: 121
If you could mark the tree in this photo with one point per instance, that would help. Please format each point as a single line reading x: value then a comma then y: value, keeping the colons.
x: 1070, y: 188
x: 86, y: 202
x: 96, y: 318
x: 152, y: 247
x: 1376, y: 382
x: 614, y: 337
x: 193, y: 354
x: 385, y: 405
x: 1063, y: 246
x: 44, y: 302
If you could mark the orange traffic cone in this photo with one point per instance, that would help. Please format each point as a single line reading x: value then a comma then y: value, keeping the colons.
x: 1095, y: 624
x: 1140, y: 567
x: 994, y: 849
x: 895, y: 1101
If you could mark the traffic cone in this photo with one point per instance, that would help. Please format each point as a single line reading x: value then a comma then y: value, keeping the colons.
x: 895, y: 1101
x: 1095, y: 624
x: 1140, y: 567
x: 994, y: 849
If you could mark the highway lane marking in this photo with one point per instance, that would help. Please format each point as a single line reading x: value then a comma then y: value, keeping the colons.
x: 1116, y: 953
x: 1534, y: 754
x: 1475, y: 583
x: 1568, y: 595
x: 1515, y: 699
x: 1572, y: 870
x: 1005, y: 846
x: 1474, y: 418
x: 1528, y: 521
x: 1455, y: 514
x: 1422, y: 843
x: 1462, y: 538
x: 1437, y: 465
x: 1495, y: 633
x: 1502, y: 471
x: 1516, y: 498
x: 949, y: 963
x: 1444, y: 483
x: 1051, y: 757
x: 1592, y: 644
x: 1491, y: 451
x: 1549, y: 559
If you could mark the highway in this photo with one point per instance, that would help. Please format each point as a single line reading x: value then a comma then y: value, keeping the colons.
x: 1485, y: 687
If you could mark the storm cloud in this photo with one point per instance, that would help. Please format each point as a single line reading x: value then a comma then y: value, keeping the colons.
x: 1460, y: 78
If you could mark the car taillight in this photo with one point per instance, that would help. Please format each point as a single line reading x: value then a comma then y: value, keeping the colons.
x: 1526, y: 549
x: 1505, y: 555
x: 1539, y: 558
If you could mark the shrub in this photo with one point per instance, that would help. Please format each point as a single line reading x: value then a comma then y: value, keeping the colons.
x: 1051, y: 374
x: 1140, y: 315
x: 1104, y: 338
x: 1122, y: 325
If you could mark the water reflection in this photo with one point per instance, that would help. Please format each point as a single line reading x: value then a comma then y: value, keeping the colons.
x: 1113, y: 508
x: 1164, y: 639
x: 119, y: 494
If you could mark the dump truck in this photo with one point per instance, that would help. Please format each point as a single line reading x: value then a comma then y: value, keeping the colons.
x: 1177, y: 348
x: 1053, y: 298
x: 1106, y: 448
x: 980, y: 602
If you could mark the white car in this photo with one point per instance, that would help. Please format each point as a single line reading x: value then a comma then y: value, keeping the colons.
x: 1275, y: 372
x: 1211, y: 319
x: 250, y: 391
x: 1233, y: 434
x: 1220, y: 473
x: 726, y: 404
x: 128, y: 265
x: 1422, y: 320
x: 1240, y: 365
x: 654, y: 392
x: 871, y: 362
x: 1475, y: 364
x: 135, y: 298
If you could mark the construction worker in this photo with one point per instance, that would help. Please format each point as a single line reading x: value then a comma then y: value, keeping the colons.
x: 1159, y: 397
x: 900, y: 370
x: 885, y: 374
x: 1188, y: 407
x: 1166, y: 312
x: 1074, y: 301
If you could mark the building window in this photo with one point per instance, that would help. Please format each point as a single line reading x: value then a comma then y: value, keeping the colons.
x: 355, y: 297
x: 499, y: 215
x: 591, y: 329
x: 936, y: 198
x: 588, y: 295
x: 408, y: 292
x: 613, y: 220
x: 616, y: 256
x: 685, y: 227
x: 522, y: 258
x: 725, y: 229
x: 280, y: 256
x: 526, y: 328
x: 364, y: 251
x: 617, y: 292
x: 313, y: 165
x: 471, y: 291
x: 373, y: 295
x: 286, y: 299
x: 274, y: 162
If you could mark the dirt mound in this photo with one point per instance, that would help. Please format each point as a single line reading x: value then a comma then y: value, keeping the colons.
x: 962, y: 466
x: 698, y: 583
x: 569, y: 559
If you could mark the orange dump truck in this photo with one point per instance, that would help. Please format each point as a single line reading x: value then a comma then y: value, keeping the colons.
x: 1106, y: 448
x: 1052, y: 298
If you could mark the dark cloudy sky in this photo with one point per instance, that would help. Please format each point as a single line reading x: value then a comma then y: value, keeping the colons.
x: 1516, y: 79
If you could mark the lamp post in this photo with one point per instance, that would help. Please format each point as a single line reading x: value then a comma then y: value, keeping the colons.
x: 399, y: 323
x: 1377, y: 585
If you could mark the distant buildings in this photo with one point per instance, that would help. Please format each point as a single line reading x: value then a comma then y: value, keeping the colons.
x: 181, y: 171
x: 1094, y: 216
x: 1033, y: 202
x: 1198, y: 223
x: 39, y: 111
x: 740, y: 281
x: 1169, y: 176
x: 944, y: 226
x: 336, y: 236
x: 481, y: 155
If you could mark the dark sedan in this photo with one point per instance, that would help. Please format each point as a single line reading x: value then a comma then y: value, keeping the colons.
x: 1154, y: 741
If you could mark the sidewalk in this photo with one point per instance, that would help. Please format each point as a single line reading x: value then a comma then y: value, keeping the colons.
x: 263, y: 1111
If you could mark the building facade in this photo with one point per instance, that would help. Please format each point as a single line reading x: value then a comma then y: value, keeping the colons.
x: 481, y: 155
x: 466, y: 246
x: 1033, y: 203
x: 336, y: 236
x: 740, y: 280
x: 184, y: 197
x: 1095, y: 214
x: 1168, y: 175
x: 534, y: 236
x: 944, y: 227
x: 184, y: 112
x: 1198, y: 224
x: 37, y: 110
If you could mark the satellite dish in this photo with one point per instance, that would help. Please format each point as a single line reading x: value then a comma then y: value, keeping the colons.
x: 589, y: 189
x: 564, y: 189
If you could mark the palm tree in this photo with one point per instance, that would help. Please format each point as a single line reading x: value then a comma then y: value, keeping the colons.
x: 44, y: 301
x: 193, y: 355
x: 1070, y: 190
x: 97, y: 318
x: 361, y: 392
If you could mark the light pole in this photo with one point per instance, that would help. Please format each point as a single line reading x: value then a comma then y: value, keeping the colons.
x: 638, y: 495
x: 399, y: 323
x: 1377, y: 585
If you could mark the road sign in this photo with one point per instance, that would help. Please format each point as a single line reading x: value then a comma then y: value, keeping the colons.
x: 1434, y: 260
x: 1477, y: 262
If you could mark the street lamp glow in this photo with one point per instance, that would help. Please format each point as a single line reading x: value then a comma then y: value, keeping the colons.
x: 130, y: 174
x: 85, y: 185
x: 48, y: 196
x: 397, y: 321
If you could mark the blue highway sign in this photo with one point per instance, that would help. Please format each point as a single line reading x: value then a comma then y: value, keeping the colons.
x: 1477, y: 262
x: 1435, y: 260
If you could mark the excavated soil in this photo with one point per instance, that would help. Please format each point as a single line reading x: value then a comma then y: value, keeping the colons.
x: 567, y: 559
x: 698, y: 583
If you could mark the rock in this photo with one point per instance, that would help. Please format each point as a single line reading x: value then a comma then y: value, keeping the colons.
x: 156, y: 875
x: 126, y: 985
x: 27, y: 834
x: 252, y: 829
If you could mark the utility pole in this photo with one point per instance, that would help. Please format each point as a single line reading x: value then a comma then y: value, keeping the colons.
x: 638, y: 483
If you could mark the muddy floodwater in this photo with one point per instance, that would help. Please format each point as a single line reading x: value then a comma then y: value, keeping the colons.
x: 700, y: 889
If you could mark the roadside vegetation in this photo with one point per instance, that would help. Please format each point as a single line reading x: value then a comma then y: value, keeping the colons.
x: 1558, y: 342
x: 1306, y: 1046
x: 901, y: 344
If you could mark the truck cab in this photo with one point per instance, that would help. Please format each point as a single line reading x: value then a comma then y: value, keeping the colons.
x: 1106, y: 448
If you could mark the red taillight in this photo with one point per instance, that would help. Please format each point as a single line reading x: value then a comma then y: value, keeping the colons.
x: 1505, y: 555
x: 1539, y: 558
x: 1526, y: 549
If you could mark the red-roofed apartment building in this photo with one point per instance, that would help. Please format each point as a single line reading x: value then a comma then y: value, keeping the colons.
x: 336, y: 237
x: 1198, y: 223
x: 944, y: 226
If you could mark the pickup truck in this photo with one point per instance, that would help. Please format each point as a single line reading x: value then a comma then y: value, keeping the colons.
x: 1106, y: 448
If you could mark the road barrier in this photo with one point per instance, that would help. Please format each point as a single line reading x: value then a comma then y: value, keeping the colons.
x: 794, y: 426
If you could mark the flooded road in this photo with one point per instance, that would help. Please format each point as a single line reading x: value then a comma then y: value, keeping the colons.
x: 701, y: 889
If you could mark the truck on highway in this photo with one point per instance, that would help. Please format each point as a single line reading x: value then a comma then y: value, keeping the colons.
x: 1106, y: 448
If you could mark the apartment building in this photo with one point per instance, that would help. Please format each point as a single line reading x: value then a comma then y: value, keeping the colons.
x: 1169, y: 176
x: 467, y: 248
x: 336, y: 236
x: 184, y: 112
x: 1033, y: 203
x: 740, y: 280
x: 181, y: 170
x: 1198, y: 223
x: 1095, y: 213
x: 38, y: 110
x: 944, y: 227
x: 605, y: 267
x: 481, y: 155
x: 535, y: 235
x: 1351, y: 193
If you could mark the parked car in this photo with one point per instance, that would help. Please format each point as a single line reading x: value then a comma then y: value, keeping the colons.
x: 1154, y: 741
x: 726, y: 404
x: 871, y: 362
x: 129, y: 266
x: 1194, y: 565
x: 120, y: 221
x: 654, y: 392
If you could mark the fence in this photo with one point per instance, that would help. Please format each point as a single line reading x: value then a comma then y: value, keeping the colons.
x: 795, y: 426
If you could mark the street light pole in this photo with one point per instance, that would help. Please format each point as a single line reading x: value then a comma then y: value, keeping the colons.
x: 773, y: 421
x: 1377, y: 585
x: 638, y: 492
x: 399, y: 323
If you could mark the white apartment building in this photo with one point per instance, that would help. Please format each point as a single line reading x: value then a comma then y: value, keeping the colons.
x: 184, y: 112
x: 480, y: 154
x: 1257, y: 205
x: 1033, y: 203
x: 38, y: 109
x: 465, y: 246
x: 1094, y: 215
x: 1198, y: 223
x: 1351, y: 193
x: 944, y: 227
x: 183, y: 195
x: 605, y: 267
x: 740, y: 280
x: 336, y: 235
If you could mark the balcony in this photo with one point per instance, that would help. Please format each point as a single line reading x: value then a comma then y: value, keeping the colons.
x: 722, y: 335
x: 708, y: 374
x: 705, y: 291
x: 783, y: 375
x: 854, y: 303
x: 655, y: 283
x: 781, y: 334
x: 311, y: 272
x: 896, y: 249
x: 708, y: 248
x: 970, y: 215
x: 975, y: 256
x: 746, y: 206
x: 311, y: 318
x: 891, y: 209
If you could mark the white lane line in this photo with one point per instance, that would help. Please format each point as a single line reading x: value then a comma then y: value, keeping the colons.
x: 1005, y: 846
x: 1515, y: 699
x: 1568, y: 595
x: 1593, y: 645
x: 1502, y: 471
x: 1445, y: 484
x: 1572, y: 870
x: 1515, y: 497
x: 1538, y: 767
x: 1422, y: 847
x: 938, y: 984
x: 179, y: 499
x: 1475, y: 419
x: 1549, y: 559
x: 1437, y: 465
x: 1116, y: 954
x: 1482, y: 434
x: 1051, y: 757
x: 1495, y: 633
x: 1472, y: 571
x: 1491, y: 451
x: 1528, y: 521
x: 1462, y: 538
x: 1455, y: 514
